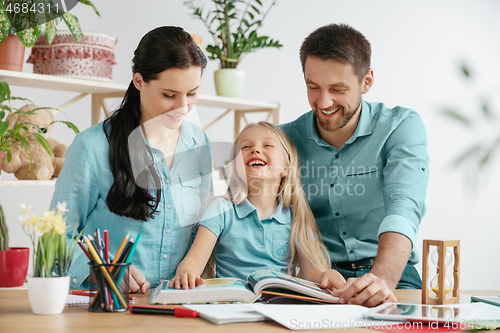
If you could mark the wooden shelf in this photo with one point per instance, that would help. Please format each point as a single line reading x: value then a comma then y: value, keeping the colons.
x: 27, y: 182
x: 100, y: 91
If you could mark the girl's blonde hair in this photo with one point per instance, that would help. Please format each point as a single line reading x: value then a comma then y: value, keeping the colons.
x: 305, y: 237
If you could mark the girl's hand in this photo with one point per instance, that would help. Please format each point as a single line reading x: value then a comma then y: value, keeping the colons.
x: 187, y: 280
x: 330, y: 279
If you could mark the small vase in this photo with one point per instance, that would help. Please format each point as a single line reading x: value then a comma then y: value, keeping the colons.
x: 229, y: 82
x: 48, y: 295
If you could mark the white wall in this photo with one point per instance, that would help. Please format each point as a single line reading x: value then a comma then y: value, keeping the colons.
x: 417, y: 47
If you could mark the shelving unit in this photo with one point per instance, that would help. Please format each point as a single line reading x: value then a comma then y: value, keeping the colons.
x: 100, y: 91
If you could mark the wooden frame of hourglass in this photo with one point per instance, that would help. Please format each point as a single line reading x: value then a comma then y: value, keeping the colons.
x: 441, y: 249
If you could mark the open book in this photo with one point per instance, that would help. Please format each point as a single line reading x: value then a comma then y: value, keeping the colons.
x: 233, y: 290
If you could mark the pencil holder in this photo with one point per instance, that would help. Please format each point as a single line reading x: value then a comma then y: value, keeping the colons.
x: 109, y: 287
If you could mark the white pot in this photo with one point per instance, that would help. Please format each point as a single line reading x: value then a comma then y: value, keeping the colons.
x: 229, y: 82
x: 48, y: 295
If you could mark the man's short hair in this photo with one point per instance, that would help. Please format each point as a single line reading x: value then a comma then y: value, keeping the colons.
x: 341, y: 43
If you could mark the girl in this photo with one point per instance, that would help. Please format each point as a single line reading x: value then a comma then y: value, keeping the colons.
x: 141, y: 170
x: 253, y: 226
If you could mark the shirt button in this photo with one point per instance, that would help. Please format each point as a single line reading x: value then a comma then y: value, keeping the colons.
x: 167, y: 180
x: 167, y: 231
x: 336, y: 156
x: 261, y: 228
x: 344, y: 233
x: 75, y: 279
x: 351, y: 252
x: 332, y: 185
x: 165, y: 256
x: 168, y: 206
x: 337, y: 214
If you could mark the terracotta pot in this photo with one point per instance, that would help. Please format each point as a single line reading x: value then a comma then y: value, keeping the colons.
x: 12, y: 54
x: 14, y: 266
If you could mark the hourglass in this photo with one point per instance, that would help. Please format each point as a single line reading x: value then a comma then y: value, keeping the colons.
x: 440, y: 285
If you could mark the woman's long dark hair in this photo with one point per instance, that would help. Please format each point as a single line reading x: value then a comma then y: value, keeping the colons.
x: 159, y: 50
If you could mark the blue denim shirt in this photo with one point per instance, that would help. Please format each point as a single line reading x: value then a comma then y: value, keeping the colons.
x: 246, y: 244
x: 375, y: 183
x: 86, y: 179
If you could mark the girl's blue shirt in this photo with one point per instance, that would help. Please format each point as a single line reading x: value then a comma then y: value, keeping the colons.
x: 246, y: 244
x: 86, y: 179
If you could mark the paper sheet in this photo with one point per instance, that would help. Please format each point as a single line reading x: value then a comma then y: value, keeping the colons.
x: 227, y: 313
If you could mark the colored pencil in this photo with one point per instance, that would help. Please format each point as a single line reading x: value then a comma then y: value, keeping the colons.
x: 84, y: 249
x: 129, y: 257
x: 106, y: 246
x: 120, y: 249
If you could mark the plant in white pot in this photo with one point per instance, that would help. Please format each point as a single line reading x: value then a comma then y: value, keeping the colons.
x: 233, y: 25
x: 47, y: 291
x: 30, y: 20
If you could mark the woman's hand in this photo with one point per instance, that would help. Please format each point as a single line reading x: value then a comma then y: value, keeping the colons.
x: 187, y: 279
x: 137, y: 281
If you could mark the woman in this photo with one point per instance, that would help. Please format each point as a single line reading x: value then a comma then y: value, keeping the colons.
x: 143, y: 170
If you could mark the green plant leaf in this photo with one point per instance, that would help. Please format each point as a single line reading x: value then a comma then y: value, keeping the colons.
x: 486, y: 110
x: 26, y: 29
x: 471, y: 151
x: 4, y: 23
x: 50, y: 31
x: 41, y: 139
x: 23, y: 141
x: 73, y: 25
x: 4, y: 91
x: 89, y: 3
x: 71, y: 126
x: 3, y: 127
x: 465, y: 70
x: 457, y: 116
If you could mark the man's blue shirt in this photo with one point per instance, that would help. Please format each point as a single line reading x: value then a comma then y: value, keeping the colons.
x: 375, y: 183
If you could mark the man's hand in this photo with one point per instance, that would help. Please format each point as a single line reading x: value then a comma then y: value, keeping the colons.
x: 137, y: 281
x: 368, y: 290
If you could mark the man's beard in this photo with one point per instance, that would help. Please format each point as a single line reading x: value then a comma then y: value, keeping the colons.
x: 328, y: 126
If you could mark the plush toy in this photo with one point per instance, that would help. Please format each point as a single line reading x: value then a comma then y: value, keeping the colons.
x: 42, y: 166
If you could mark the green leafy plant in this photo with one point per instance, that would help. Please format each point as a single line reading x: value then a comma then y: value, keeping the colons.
x: 48, y: 236
x: 479, y: 154
x: 4, y: 231
x: 20, y: 133
x: 34, y: 18
x: 233, y: 25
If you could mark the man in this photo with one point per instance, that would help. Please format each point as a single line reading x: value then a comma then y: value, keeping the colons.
x: 364, y: 168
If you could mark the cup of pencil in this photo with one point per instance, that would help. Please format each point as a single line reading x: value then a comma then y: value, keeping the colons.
x: 108, y: 295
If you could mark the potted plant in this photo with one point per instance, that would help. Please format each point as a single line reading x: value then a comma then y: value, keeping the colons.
x: 13, y: 260
x: 9, y: 135
x: 233, y: 25
x: 29, y: 21
x: 47, y: 290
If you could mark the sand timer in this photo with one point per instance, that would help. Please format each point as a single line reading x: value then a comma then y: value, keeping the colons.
x: 441, y: 285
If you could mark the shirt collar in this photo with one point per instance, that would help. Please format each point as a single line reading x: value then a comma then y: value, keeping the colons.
x: 281, y: 215
x: 364, y: 126
x: 187, y: 136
